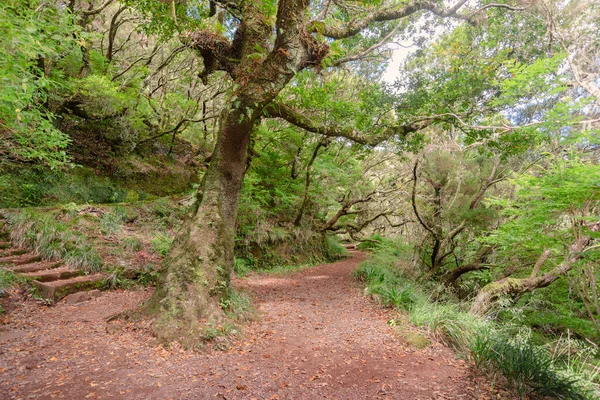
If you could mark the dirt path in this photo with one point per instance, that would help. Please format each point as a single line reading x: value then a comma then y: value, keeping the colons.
x: 318, y: 337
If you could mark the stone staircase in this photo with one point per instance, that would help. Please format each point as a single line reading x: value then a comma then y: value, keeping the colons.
x: 52, y: 279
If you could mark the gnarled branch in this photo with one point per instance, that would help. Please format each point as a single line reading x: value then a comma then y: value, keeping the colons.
x: 296, y: 118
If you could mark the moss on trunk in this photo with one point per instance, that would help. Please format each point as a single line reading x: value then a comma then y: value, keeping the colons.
x: 196, y: 274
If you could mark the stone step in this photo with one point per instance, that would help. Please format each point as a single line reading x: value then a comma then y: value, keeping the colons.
x: 56, y: 290
x: 34, y: 267
x: 55, y: 274
x: 12, y: 252
x: 20, y: 260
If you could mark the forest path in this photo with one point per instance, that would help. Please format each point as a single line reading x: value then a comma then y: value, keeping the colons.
x: 317, y: 337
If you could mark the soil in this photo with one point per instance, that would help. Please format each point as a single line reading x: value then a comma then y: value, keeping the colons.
x: 317, y: 337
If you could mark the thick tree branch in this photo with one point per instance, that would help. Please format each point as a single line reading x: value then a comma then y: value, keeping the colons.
x: 216, y: 51
x: 517, y: 286
x: 296, y: 118
x: 477, y: 264
x: 97, y: 10
x: 391, y: 13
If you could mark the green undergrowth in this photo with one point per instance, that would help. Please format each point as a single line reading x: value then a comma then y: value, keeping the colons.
x: 128, y: 241
x: 556, y: 311
x: 54, y: 240
x: 504, y: 351
x: 133, y: 179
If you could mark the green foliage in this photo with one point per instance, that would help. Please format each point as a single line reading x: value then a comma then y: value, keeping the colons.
x: 375, y: 242
x: 161, y: 243
x: 132, y: 244
x: 7, y: 280
x: 53, y: 240
x: 334, y: 250
x: 32, y: 36
x: 243, y: 266
x: 38, y: 186
x: 111, y: 222
x: 385, y: 281
x: 536, y: 217
x: 238, y: 305
x: 527, y: 368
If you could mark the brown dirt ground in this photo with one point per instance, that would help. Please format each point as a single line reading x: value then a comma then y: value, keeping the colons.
x: 317, y: 337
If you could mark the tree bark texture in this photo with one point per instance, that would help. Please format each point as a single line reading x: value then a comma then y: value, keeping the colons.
x: 196, y: 273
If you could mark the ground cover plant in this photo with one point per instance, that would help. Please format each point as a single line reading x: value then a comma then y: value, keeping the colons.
x: 505, y: 350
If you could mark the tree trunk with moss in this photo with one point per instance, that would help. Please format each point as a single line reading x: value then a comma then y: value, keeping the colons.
x: 197, y: 271
x: 196, y: 274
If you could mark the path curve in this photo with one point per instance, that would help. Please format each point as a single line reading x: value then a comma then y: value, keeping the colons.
x: 317, y: 337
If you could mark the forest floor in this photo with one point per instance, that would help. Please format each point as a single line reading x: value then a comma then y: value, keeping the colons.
x: 316, y: 337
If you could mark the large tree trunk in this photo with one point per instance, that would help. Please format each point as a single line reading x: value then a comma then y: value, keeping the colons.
x: 196, y: 273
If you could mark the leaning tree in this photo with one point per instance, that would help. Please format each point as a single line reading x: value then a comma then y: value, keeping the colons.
x: 260, y: 45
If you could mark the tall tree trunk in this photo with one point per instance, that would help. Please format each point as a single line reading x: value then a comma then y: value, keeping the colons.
x: 196, y: 273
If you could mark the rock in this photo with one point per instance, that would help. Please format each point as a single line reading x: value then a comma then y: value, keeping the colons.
x: 95, y: 293
x: 77, y: 298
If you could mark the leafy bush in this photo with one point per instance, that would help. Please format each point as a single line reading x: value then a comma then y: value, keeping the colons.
x: 335, y: 250
x: 30, y: 31
x: 132, y: 244
x: 111, y: 222
x: 528, y: 368
x: 7, y: 280
x: 238, y: 305
x: 243, y: 266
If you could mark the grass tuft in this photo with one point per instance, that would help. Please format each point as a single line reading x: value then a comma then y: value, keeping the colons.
x: 53, y: 240
x: 161, y: 243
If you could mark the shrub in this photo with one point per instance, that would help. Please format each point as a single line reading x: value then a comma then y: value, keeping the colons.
x: 238, y: 305
x: 527, y: 368
x: 111, y: 222
x: 334, y: 250
x: 161, y: 244
x: 243, y: 266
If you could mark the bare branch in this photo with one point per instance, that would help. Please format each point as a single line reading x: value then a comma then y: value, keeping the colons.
x: 369, y: 50
x: 390, y: 13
